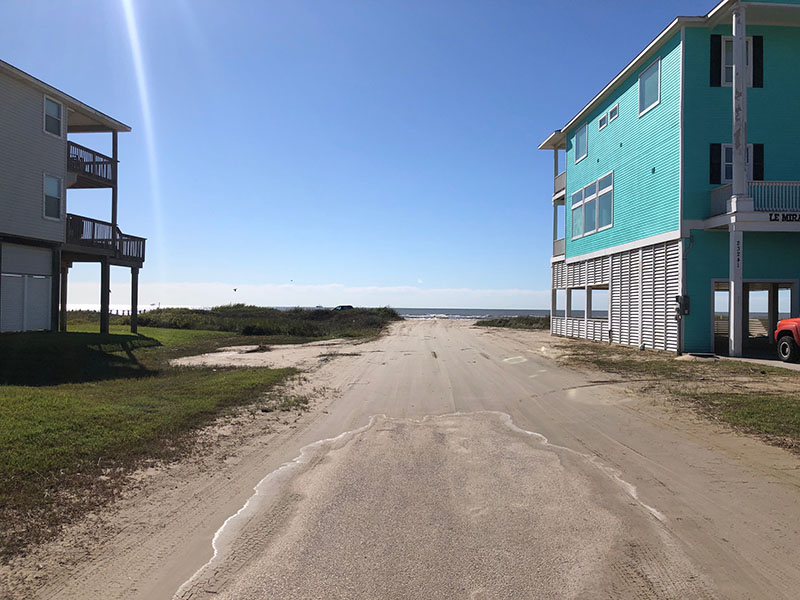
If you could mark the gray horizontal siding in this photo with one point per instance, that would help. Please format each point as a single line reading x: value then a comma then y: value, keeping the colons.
x: 27, y: 152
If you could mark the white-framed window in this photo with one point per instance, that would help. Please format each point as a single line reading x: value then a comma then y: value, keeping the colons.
x: 561, y: 303
x: 598, y: 302
x: 593, y: 207
x: 581, y: 143
x: 53, y: 116
x: 613, y: 113
x: 576, y: 302
x: 726, y: 166
x: 603, y: 122
x: 727, y: 61
x: 650, y: 87
x: 52, y: 197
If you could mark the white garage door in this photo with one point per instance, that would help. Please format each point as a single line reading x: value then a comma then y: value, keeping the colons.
x: 25, y: 288
x: 24, y: 302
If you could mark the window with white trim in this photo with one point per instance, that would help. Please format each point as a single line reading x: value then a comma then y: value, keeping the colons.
x: 52, y: 197
x: 598, y: 302
x: 577, y: 302
x: 581, y: 143
x: 602, y: 123
x: 52, y: 116
x: 561, y: 303
x: 726, y: 174
x: 727, y: 61
x: 593, y: 207
x: 650, y: 87
x: 613, y: 113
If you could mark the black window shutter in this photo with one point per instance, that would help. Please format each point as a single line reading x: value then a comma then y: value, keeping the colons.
x: 758, y: 162
x: 715, y: 162
x: 716, y: 61
x: 758, y: 61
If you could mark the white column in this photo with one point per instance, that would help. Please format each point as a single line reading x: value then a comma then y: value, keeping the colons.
x: 735, y: 309
x: 740, y: 197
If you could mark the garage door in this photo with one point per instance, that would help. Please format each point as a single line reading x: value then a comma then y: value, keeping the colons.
x: 25, y: 288
x: 24, y: 302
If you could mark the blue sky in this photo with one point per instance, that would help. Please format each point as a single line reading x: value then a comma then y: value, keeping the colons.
x: 310, y: 152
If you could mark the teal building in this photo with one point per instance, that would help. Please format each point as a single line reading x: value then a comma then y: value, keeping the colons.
x: 677, y: 212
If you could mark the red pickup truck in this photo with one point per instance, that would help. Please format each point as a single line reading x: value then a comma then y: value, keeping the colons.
x: 788, y: 337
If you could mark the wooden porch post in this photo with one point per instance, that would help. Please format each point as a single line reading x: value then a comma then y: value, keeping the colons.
x: 134, y: 298
x: 63, y: 316
x: 114, y: 240
x: 105, y: 291
x: 55, y: 289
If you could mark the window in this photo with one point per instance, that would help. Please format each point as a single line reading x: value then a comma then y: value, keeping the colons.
x: 598, y: 302
x: 561, y: 303
x: 592, y: 207
x: 603, y: 122
x: 52, y: 117
x: 613, y: 113
x: 581, y: 144
x: 650, y: 87
x: 726, y: 174
x: 727, y: 61
x: 52, y: 197
x: 577, y: 302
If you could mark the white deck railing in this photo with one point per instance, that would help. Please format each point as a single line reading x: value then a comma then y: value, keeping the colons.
x: 768, y: 196
x: 776, y: 195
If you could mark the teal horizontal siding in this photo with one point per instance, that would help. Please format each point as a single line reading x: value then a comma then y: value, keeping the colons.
x: 643, y: 152
x: 771, y: 112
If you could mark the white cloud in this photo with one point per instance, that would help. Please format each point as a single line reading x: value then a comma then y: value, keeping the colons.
x: 85, y: 294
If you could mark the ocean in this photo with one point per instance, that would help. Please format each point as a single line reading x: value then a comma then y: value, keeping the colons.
x: 469, y: 313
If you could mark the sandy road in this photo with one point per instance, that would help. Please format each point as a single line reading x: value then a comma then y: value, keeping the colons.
x: 446, y: 461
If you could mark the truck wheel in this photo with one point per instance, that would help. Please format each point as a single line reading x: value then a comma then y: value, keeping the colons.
x: 787, y: 349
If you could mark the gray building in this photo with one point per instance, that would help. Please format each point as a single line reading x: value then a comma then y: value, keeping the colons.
x: 39, y: 239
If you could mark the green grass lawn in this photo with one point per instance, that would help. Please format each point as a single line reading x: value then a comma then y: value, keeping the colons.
x: 517, y: 322
x: 78, y: 410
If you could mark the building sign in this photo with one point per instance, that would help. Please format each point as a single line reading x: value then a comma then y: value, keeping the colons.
x: 738, y: 254
x: 791, y: 217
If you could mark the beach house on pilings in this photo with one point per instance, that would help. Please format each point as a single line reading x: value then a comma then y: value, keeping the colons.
x: 39, y: 239
x: 677, y: 216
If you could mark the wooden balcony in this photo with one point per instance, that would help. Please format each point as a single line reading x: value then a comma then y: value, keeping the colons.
x: 89, y: 169
x: 95, y: 238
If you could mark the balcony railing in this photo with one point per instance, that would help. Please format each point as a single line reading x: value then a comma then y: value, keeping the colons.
x: 768, y: 196
x: 92, y: 233
x: 560, y: 182
x: 719, y: 199
x: 88, y: 163
x: 558, y: 247
x: 775, y: 196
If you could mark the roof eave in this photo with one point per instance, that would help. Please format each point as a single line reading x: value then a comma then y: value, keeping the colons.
x: 105, y: 123
x: 554, y: 141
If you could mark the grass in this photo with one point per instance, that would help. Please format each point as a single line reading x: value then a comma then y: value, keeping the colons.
x: 754, y: 398
x: 80, y: 410
x: 775, y: 415
x: 255, y: 320
x: 517, y: 322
